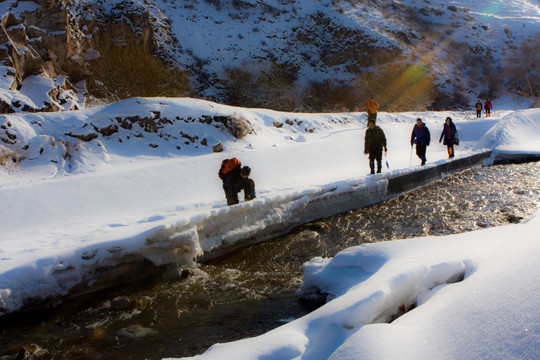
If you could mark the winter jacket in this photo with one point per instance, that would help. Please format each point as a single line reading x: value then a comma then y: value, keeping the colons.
x: 420, y: 135
x: 374, y: 141
x: 372, y: 107
x: 478, y: 106
x: 488, y: 105
x: 448, y: 134
x: 233, y: 181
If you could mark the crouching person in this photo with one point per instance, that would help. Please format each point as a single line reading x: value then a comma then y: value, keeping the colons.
x: 236, y: 178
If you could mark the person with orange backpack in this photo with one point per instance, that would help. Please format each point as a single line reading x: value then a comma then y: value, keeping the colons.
x: 236, y: 178
x: 372, y: 107
x: 478, y: 108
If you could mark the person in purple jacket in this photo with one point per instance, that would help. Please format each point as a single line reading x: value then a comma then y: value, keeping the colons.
x: 421, y: 137
x: 449, y: 136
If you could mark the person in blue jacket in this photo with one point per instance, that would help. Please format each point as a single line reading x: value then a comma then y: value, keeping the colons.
x: 421, y: 137
x: 449, y: 136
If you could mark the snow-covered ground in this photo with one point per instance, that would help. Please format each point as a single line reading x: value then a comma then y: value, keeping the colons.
x: 475, y: 297
x: 116, y: 198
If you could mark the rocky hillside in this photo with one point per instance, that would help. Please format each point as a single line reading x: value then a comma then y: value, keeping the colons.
x: 309, y: 55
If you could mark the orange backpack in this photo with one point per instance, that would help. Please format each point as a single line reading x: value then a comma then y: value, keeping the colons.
x: 227, y: 166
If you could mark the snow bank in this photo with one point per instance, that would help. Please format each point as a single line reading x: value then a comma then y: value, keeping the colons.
x: 462, y: 296
x: 515, y: 131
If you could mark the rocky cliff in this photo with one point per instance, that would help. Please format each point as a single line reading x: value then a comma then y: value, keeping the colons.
x: 55, y: 44
x: 282, y: 54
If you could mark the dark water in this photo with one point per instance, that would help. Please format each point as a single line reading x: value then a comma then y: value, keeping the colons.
x: 253, y: 290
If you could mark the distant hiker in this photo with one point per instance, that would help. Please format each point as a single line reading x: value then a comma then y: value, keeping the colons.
x: 478, y: 107
x: 488, y: 106
x: 421, y: 137
x: 372, y: 107
x: 374, y: 142
x: 236, y: 178
x: 449, y: 136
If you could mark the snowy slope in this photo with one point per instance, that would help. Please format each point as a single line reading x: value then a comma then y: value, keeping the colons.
x: 226, y: 33
x: 460, y: 42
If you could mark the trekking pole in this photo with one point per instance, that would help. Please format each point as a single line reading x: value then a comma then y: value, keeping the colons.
x: 410, y: 157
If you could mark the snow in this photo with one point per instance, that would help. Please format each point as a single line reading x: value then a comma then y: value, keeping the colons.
x: 474, y: 295
x: 111, y: 202
x: 73, y: 207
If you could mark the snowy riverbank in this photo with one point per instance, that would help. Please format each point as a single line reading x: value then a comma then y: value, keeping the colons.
x: 117, y: 200
x: 465, y: 296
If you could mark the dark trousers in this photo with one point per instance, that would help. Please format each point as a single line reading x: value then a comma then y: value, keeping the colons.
x: 248, y: 185
x: 421, y: 152
x: 375, y: 157
x: 478, y: 113
x: 372, y: 116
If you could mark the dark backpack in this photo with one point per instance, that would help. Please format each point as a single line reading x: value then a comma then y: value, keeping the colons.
x: 227, y: 166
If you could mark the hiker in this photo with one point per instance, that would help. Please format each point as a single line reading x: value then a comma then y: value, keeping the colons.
x: 421, y: 137
x: 236, y: 178
x: 372, y: 107
x: 488, y: 106
x: 449, y: 136
x: 374, y: 142
x: 478, y: 107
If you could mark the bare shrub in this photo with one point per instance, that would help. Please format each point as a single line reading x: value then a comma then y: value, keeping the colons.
x: 270, y: 87
x: 241, y: 87
x: 127, y: 70
x: 8, y: 158
x: 327, y: 96
x: 216, y: 3
x: 399, y: 87
x: 523, y: 72
x: 277, y: 86
x: 478, y: 65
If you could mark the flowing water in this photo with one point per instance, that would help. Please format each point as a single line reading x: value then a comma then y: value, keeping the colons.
x: 253, y: 289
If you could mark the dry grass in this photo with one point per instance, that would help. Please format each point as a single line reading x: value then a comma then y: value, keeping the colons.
x: 8, y: 158
x: 399, y: 87
x: 328, y: 96
x: 522, y: 71
x: 128, y: 70
x: 271, y: 87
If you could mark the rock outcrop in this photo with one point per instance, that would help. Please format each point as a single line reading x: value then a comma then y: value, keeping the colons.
x: 58, y: 40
